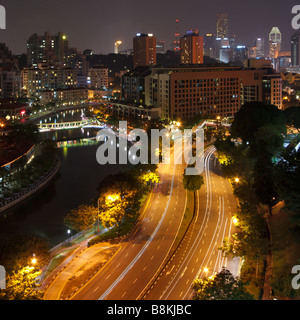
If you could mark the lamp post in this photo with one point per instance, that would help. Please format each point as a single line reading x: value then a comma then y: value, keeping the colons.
x: 218, y: 121
x: 33, y: 260
x: 98, y: 217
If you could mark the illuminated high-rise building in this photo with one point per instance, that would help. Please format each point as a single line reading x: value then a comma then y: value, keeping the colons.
x: 260, y: 47
x: 118, y: 47
x: 295, y: 50
x: 274, y: 43
x: 222, y: 25
x: 191, y: 45
x: 144, y: 50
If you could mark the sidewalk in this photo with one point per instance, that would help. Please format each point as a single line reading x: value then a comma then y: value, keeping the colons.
x: 75, y: 247
x: 78, y: 270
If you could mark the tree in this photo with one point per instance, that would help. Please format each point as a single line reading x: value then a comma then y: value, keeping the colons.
x: 292, y: 117
x: 17, y: 252
x: 287, y: 177
x: 253, y: 116
x: 264, y: 185
x: 222, y: 286
x: 116, y: 203
x: 151, y: 177
x: 81, y: 218
x: 22, y: 285
x: 192, y: 182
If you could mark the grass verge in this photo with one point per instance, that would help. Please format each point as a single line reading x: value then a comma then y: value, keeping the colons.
x: 188, y: 217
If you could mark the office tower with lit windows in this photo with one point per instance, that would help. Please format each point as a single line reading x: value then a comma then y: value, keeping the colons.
x: 191, y: 45
x: 118, y: 47
x: 222, y: 25
x: 144, y: 50
x: 274, y: 43
x: 260, y: 47
x: 295, y: 50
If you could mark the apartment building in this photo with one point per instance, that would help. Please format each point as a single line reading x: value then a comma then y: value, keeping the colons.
x: 186, y: 92
x: 70, y: 95
x: 36, y: 80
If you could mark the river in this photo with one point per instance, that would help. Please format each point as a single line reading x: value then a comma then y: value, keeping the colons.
x: 76, y: 184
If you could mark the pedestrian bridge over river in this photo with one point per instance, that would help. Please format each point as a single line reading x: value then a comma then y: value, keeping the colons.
x: 87, y: 123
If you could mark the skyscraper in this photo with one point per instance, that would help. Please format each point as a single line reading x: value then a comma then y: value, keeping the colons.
x: 222, y: 25
x: 144, y: 50
x: 118, y: 47
x: 260, y: 47
x: 47, y: 49
x: 295, y: 50
x: 274, y: 42
x: 191, y: 45
x: 209, y: 45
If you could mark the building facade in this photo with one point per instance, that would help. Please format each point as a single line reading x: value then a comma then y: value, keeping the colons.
x: 46, y: 49
x: 144, y: 50
x: 222, y: 25
x: 191, y: 48
x: 98, y: 77
x: 70, y: 95
x: 295, y: 50
x: 36, y: 80
x: 274, y: 43
x: 10, y: 81
x: 186, y: 92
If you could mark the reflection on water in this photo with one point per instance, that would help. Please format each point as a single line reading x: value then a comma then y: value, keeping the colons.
x: 76, y: 184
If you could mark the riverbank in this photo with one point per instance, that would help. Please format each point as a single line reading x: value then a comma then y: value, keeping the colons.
x: 26, y: 193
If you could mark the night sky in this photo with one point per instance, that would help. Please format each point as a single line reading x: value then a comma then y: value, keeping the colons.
x: 97, y: 24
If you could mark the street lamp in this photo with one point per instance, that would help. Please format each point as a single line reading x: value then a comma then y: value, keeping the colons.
x: 33, y: 260
x: 235, y: 221
x: 237, y: 180
x: 98, y: 217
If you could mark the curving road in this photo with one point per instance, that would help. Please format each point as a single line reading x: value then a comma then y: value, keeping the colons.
x: 198, y: 255
x: 140, y: 256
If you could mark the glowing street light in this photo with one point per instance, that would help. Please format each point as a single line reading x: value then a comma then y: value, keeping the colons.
x: 113, y: 197
x: 237, y: 180
x: 33, y: 260
x: 235, y: 221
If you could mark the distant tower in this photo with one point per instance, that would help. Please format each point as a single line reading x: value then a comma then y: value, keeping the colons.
x: 160, y: 47
x: 118, y: 47
x: 176, y: 43
x: 260, y: 47
x: 274, y: 42
x: 144, y: 50
x: 295, y: 50
x: 222, y: 25
x: 191, y: 45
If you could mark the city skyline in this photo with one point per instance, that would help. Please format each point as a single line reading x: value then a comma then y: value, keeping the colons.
x: 100, y: 32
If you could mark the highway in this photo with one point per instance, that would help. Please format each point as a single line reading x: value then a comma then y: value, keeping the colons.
x: 135, y: 272
x: 140, y: 256
x: 198, y: 255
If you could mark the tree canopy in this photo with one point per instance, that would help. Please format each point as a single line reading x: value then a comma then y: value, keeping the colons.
x: 222, y: 286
